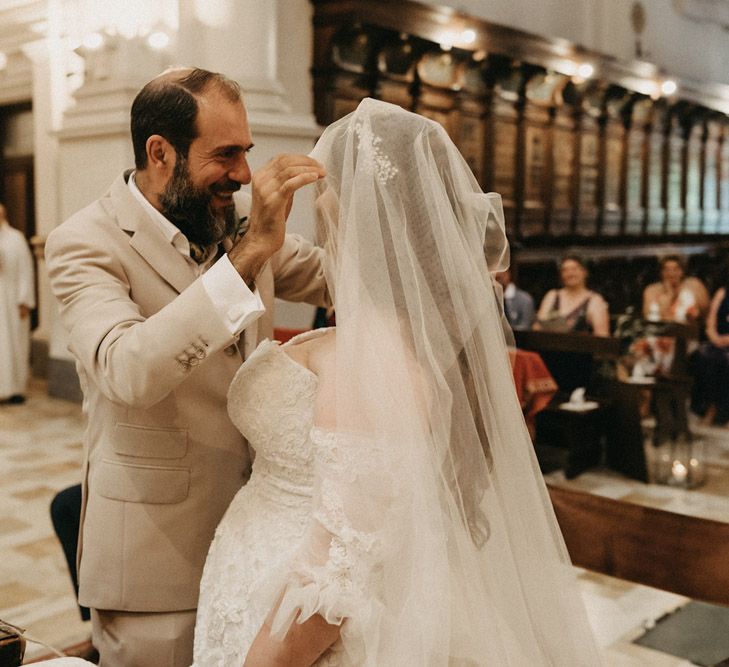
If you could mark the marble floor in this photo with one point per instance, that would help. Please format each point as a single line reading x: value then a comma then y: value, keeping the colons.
x: 40, y: 443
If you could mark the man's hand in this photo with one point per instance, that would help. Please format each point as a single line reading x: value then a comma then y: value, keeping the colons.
x: 273, y: 189
x: 23, y: 311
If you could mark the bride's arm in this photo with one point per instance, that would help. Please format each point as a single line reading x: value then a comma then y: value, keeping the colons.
x: 303, y: 644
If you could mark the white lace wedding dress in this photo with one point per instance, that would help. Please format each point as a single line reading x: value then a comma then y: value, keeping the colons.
x: 271, y: 401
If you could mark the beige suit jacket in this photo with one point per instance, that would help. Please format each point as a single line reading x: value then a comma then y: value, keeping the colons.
x: 155, y: 359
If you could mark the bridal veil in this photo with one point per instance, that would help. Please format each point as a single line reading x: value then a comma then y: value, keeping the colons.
x: 434, y: 536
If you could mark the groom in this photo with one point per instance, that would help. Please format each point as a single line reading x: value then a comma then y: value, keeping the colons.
x: 162, y: 299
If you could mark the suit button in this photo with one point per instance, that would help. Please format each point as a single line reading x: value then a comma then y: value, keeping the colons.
x: 230, y: 350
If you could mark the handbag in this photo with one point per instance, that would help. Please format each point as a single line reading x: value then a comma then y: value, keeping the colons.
x: 12, y: 645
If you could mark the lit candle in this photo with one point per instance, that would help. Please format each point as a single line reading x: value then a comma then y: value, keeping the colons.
x: 679, y: 471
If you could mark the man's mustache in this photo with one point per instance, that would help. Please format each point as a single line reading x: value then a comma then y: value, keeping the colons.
x: 225, y: 186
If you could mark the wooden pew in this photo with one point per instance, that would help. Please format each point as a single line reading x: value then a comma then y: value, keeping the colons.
x: 674, y: 552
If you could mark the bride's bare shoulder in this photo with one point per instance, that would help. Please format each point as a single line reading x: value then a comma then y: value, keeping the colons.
x: 322, y: 351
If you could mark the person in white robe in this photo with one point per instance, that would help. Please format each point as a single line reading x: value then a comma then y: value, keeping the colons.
x: 17, y: 299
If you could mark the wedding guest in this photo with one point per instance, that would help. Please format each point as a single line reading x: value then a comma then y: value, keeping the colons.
x: 518, y: 304
x: 162, y: 300
x: 676, y: 297
x: 710, y: 398
x: 574, y: 307
x: 17, y: 299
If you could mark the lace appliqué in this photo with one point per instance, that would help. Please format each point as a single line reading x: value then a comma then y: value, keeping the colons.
x: 375, y: 161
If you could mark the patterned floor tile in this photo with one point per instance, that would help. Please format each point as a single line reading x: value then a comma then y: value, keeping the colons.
x: 36, y: 593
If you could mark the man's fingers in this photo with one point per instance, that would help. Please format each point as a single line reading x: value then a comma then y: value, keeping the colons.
x: 283, y: 165
x: 296, y: 182
x: 265, y: 183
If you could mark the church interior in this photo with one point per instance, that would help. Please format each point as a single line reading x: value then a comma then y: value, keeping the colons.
x: 603, y: 125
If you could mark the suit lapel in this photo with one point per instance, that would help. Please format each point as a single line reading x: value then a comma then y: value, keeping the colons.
x: 148, y: 240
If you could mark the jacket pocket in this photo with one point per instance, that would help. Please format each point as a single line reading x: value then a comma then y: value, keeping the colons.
x: 136, y: 483
x: 150, y: 442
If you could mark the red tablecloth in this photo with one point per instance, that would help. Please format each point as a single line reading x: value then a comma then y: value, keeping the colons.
x: 535, y: 386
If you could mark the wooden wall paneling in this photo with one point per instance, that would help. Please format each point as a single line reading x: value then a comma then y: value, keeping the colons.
x: 614, y: 163
x: 565, y: 143
x: 693, y: 171
x: 503, y: 148
x: 584, y: 168
x: 321, y: 70
x: 724, y: 179
x: 710, y: 176
x: 440, y: 74
x: 588, y: 155
x: 638, y: 116
x: 537, y: 128
x: 675, y: 157
x: 656, y: 171
x: 350, y: 76
x: 473, y: 108
x: 396, y: 63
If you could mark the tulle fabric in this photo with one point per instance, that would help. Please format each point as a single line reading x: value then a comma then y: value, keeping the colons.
x: 432, y: 540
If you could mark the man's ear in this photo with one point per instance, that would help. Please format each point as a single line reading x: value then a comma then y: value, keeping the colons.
x: 160, y: 153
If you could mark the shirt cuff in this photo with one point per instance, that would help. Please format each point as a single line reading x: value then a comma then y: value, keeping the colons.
x: 237, y: 305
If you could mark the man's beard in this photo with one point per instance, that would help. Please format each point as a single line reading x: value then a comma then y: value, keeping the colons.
x: 191, y: 210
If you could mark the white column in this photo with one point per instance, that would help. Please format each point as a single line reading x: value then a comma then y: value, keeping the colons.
x: 237, y: 38
x: 93, y: 138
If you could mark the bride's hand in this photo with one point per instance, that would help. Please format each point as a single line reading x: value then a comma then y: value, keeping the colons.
x: 302, y: 646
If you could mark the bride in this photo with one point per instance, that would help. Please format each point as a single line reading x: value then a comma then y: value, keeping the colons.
x: 395, y: 514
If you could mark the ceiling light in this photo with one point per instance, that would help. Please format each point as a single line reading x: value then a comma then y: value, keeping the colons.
x: 585, y: 71
x: 669, y: 87
x: 158, y: 40
x: 93, y: 41
x: 468, y: 36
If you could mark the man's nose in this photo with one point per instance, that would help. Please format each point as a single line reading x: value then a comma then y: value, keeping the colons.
x: 241, y: 172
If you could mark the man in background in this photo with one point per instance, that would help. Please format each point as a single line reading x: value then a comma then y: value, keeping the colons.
x: 518, y: 304
x: 17, y: 299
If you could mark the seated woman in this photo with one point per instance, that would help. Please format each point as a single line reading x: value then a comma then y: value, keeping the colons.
x: 574, y: 307
x: 675, y: 298
x: 710, y: 399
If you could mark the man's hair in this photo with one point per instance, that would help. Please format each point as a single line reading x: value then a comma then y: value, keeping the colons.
x: 168, y: 106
